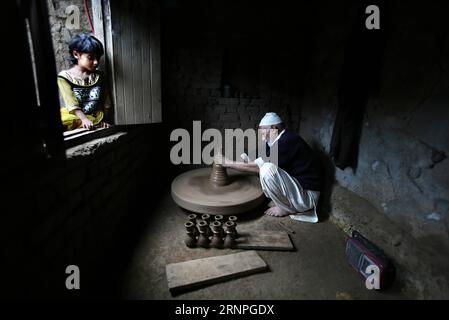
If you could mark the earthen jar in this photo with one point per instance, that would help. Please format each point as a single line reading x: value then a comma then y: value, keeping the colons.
x: 192, y: 217
x: 230, y: 228
x: 203, y: 239
x: 229, y: 241
x: 206, y: 217
x: 204, y: 227
x: 217, y: 227
x: 217, y: 240
x: 190, y: 239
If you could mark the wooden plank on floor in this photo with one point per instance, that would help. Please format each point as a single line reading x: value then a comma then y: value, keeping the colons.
x: 264, y: 240
x: 200, y: 272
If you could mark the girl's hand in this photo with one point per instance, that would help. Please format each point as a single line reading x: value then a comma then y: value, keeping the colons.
x: 104, y: 124
x: 87, y: 124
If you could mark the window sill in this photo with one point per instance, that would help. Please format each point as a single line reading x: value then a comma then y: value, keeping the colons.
x: 80, y: 136
x: 94, y: 142
x: 82, y: 142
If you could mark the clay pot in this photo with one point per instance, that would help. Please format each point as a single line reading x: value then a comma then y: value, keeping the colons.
x: 206, y: 217
x: 217, y: 227
x: 231, y: 229
x: 234, y: 219
x: 219, y: 218
x: 191, y: 227
x: 217, y: 240
x: 190, y: 239
x: 203, y: 226
x: 192, y: 217
x: 218, y: 176
x: 203, y: 239
x: 229, y: 241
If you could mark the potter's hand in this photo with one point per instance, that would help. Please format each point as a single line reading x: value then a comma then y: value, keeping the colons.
x: 245, y: 157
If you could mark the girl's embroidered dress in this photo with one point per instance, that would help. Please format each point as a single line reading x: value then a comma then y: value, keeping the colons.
x: 89, y: 95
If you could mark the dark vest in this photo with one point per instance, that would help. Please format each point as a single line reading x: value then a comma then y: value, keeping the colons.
x: 299, y: 160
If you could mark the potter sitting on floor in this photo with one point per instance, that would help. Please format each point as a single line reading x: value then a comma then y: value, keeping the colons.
x: 294, y: 184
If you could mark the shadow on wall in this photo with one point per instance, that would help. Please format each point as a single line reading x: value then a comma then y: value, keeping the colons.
x: 328, y: 181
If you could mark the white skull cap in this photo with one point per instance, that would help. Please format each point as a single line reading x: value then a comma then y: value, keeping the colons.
x: 270, y: 118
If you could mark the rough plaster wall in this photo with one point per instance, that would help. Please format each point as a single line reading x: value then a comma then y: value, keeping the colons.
x: 61, y: 35
x: 401, y: 170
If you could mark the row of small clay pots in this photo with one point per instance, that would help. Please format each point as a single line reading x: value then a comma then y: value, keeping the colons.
x: 230, y: 225
x: 215, y: 236
x: 207, y: 217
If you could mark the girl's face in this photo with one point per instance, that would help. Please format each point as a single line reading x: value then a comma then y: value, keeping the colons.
x: 86, y: 61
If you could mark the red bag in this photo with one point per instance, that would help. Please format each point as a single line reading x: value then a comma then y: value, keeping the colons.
x: 369, y: 261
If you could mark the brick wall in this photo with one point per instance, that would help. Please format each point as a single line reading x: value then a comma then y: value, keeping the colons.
x: 83, y: 212
x: 194, y: 50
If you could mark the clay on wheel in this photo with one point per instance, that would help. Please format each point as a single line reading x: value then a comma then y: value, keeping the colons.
x: 194, y: 191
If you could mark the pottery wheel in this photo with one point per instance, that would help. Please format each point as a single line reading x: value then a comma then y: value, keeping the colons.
x: 218, y: 191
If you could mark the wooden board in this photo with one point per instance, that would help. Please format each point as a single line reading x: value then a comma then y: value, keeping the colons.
x: 264, y: 240
x: 200, y: 272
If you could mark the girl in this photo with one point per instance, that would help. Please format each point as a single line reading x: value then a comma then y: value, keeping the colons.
x: 83, y: 87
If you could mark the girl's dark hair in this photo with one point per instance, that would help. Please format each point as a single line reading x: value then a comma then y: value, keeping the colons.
x: 85, y: 43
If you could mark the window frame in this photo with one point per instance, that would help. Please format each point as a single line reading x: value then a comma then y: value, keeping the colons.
x: 41, y: 57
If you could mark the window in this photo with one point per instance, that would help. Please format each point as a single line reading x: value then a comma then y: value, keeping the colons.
x: 130, y: 34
